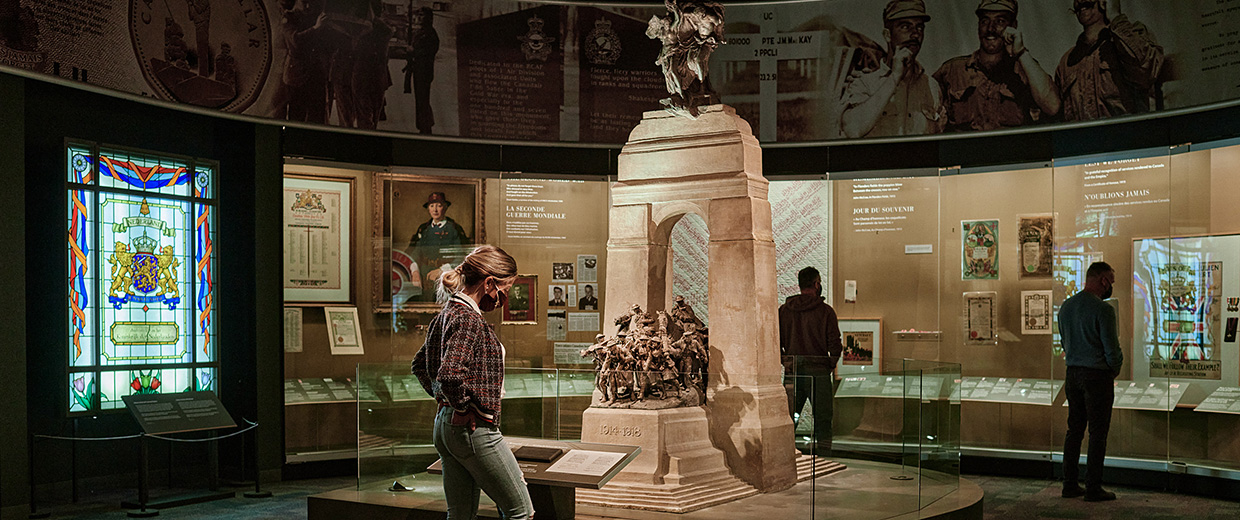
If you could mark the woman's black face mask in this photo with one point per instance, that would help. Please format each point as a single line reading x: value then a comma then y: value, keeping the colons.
x: 490, y: 303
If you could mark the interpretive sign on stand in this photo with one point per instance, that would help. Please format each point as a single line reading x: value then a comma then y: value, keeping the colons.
x: 174, y: 413
x: 159, y: 414
x: 552, y: 480
x: 1224, y: 399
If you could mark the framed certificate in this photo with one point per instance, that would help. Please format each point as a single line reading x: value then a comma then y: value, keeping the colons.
x: 318, y: 240
x: 344, y: 331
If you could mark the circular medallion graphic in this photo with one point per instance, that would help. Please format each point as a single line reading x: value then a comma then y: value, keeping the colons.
x: 210, y: 54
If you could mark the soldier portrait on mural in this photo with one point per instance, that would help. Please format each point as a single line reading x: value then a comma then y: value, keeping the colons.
x: 1000, y: 85
x: 897, y: 98
x: 1113, y: 68
x: 420, y: 64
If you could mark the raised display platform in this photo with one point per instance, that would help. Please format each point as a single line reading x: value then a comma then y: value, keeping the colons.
x: 863, y: 491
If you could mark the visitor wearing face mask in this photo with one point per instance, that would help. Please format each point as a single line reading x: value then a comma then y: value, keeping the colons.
x: 462, y: 366
x: 810, y: 348
x: 1092, y: 354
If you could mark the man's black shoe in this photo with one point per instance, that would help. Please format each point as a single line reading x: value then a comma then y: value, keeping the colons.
x: 1072, y: 490
x: 1098, y: 495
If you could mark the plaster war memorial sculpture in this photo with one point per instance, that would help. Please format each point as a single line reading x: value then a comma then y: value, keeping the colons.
x: 726, y: 433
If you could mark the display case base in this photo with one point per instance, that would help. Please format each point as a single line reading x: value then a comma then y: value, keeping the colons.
x: 863, y: 491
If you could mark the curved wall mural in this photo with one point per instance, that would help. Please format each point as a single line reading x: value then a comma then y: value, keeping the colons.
x: 526, y: 71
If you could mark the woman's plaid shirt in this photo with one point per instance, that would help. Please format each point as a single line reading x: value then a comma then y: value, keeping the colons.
x: 465, y: 357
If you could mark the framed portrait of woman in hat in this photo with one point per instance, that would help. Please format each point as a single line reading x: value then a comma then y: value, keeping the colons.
x: 423, y: 225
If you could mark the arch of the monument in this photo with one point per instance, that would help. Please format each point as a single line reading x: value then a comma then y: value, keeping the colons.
x: 688, y: 238
x: 710, y: 167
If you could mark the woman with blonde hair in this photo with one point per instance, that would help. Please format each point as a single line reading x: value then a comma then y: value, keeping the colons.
x: 462, y: 365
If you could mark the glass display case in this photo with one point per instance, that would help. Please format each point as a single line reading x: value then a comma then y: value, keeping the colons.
x: 916, y: 462
x: 962, y: 267
x: 363, y: 250
x: 1013, y: 242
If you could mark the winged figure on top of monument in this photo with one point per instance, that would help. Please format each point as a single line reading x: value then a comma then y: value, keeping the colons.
x: 690, y: 32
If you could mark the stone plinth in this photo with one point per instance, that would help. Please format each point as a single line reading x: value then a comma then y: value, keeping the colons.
x: 710, y: 167
x: 678, y: 469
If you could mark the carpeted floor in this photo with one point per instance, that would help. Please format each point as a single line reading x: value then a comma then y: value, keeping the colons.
x: 1020, y: 499
x: 1006, y: 499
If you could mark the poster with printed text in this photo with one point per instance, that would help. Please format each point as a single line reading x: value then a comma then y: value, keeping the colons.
x: 1187, y: 304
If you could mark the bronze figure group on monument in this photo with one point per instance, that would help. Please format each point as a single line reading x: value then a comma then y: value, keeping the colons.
x: 660, y: 356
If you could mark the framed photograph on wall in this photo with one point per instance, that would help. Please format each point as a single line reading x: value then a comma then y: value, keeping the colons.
x: 522, y: 304
x: 863, y: 345
x: 422, y: 226
x: 318, y: 240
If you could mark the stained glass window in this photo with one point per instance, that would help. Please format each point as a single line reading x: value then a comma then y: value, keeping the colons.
x: 140, y: 265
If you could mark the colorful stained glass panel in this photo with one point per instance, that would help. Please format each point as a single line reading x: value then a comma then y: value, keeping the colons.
x: 82, y: 278
x: 80, y: 170
x: 140, y: 266
x: 203, y: 275
x: 132, y: 171
x: 82, y: 389
x: 204, y: 179
x: 205, y: 379
x: 120, y: 383
x: 146, y: 283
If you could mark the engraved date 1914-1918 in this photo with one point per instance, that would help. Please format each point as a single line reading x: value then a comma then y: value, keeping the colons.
x: 620, y: 431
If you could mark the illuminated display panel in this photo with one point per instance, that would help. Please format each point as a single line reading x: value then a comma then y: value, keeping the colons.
x: 140, y: 265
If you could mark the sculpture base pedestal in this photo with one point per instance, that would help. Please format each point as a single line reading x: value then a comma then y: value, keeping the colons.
x: 678, y: 469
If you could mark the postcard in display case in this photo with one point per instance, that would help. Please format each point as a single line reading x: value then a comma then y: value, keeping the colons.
x: 343, y: 331
x: 318, y: 239
x: 423, y: 225
x: 863, y: 338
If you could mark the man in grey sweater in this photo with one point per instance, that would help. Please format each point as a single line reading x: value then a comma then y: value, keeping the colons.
x: 1093, y: 356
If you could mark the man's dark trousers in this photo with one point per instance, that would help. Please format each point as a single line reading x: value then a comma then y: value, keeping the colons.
x: 1091, y: 392
x: 820, y: 384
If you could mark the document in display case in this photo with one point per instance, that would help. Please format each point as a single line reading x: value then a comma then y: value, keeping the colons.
x: 1010, y: 390
x: 890, y: 387
x: 321, y: 390
x: 1151, y: 395
x: 293, y: 394
x: 1225, y: 399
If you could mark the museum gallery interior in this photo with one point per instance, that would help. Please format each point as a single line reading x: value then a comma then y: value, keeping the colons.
x: 225, y: 223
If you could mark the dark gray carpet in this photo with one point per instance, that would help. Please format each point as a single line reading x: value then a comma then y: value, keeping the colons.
x: 1006, y: 499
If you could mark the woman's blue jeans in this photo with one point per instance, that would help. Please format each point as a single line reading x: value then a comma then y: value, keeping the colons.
x: 479, y: 460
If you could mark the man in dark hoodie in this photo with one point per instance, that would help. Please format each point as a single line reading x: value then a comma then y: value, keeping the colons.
x: 809, y: 341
